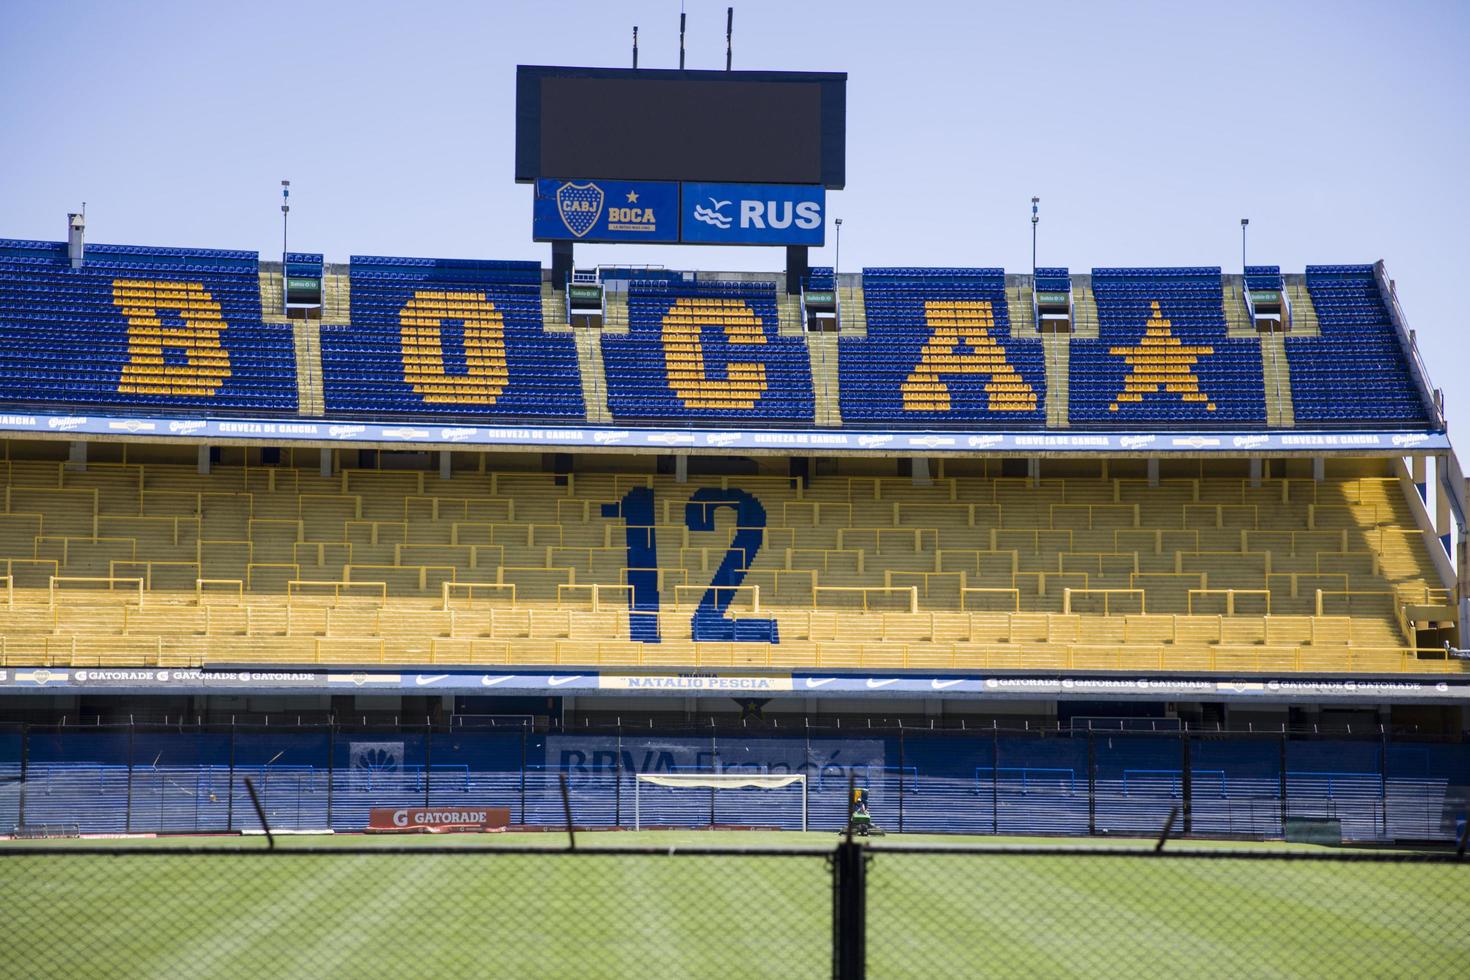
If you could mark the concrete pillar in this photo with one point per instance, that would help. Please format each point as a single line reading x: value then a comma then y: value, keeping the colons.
x: 77, y: 457
x: 1256, y: 471
x: 1442, y: 524
x: 1319, y: 468
x: 326, y: 462
x: 920, y: 472
x: 1033, y: 470
x: 203, y: 460
x: 1153, y: 472
x: 681, y: 468
x: 446, y: 463
x: 1418, y: 466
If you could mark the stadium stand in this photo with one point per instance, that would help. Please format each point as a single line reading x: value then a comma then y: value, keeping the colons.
x: 1356, y: 371
x: 139, y: 328
x: 153, y: 563
x: 1162, y: 356
x: 706, y: 351
x: 449, y: 336
x: 939, y: 351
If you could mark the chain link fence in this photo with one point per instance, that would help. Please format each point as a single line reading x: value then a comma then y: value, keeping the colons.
x: 470, y: 907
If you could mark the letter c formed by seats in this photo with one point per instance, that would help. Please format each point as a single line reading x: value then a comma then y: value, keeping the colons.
x: 744, y: 382
x: 421, y: 323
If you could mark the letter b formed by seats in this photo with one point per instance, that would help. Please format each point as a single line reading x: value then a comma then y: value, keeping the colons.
x: 206, y: 363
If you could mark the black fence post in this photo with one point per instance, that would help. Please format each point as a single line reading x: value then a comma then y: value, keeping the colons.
x: 849, y: 911
x: 1285, y: 809
x: 229, y: 781
x: 331, y: 761
x: 523, y: 773
x: 25, y: 767
x: 1091, y: 781
x: 901, y: 771
x: 1383, y: 780
x: 995, y: 780
x: 428, y: 760
x: 1186, y: 781
x: 128, y: 804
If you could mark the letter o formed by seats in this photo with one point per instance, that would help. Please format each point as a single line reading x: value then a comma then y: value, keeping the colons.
x: 744, y: 382
x: 147, y: 372
x: 422, y: 335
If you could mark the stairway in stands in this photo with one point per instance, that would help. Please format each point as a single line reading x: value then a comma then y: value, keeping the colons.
x: 822, y: 349
x: 1303, y: 312
x: 1084, y: 308
x: 1237, y: 315
x: 1058, y: 347
x: 1276, y: 370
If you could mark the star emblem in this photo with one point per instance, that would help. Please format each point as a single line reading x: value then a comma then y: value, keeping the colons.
x: 632, y: 197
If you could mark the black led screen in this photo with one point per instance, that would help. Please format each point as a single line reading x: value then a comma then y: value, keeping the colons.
x: 745, y: 127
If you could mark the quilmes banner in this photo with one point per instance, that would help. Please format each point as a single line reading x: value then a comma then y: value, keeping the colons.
x: 753, y: 214
x: 606, y: 211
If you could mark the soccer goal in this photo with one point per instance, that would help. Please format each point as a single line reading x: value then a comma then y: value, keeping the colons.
x: 756, y: 794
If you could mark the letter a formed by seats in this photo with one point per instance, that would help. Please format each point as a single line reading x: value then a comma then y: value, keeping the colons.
x: 147, y: 372
x: 971, y: 323
x: 744, y: 382
x: 421, y: 323
x: 1161, y: 359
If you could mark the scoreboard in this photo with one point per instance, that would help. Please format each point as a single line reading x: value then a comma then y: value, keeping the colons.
x: 744, y: 127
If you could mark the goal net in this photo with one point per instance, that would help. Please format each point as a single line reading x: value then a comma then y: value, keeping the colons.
x: 707, y: 799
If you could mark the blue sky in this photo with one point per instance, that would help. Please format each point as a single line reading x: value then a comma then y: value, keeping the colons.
x: 1148, y: 130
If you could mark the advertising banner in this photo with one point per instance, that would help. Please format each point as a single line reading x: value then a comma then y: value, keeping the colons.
x: 421, y: 819
x: 752, y: 214
x: 606, y: 211
x: 695, y: 682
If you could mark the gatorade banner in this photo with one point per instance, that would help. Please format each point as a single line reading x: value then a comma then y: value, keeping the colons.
x: 418, y: 819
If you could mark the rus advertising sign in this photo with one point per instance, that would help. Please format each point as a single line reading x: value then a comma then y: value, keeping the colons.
x: 606, y: 211
x: 753, y: 214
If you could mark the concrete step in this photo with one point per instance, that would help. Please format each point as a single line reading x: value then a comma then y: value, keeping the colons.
x: 852, y: 311
x: 1084, y: 308
x: 788, y: 312
x: 1237, y: 314
x: 822, y: 349
x: 307, y: 340
x: 1058, y: 348
x: 554, y: 310
x: 594, y: 380
x: 1303, y: 314
x: 1280, y: 411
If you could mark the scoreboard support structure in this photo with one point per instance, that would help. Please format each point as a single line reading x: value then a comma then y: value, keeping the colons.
x: 796, y: 268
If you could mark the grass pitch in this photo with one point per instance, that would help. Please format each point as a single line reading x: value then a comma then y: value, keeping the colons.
x: 346, y: 906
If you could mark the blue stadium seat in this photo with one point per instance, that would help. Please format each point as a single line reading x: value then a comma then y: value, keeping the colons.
x: 939, y: 352
x: 706, y: 351
x: 139, y: 328
x: 1356, y: 371
x: 1162, y: 356
x: 452, y: 337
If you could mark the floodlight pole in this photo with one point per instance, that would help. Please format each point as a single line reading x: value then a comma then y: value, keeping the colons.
x: 729, y: 31
x: 635, y: 46
x: 1035, y: 220
x: 681, y: 39
x: 285, y: 216
x: 1243, y: 223
x: 836, y: 272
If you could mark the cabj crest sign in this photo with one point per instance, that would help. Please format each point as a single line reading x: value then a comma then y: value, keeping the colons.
x: 580, y: 205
